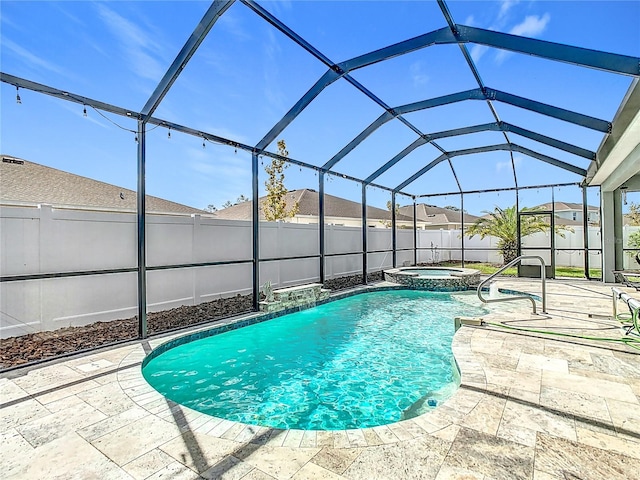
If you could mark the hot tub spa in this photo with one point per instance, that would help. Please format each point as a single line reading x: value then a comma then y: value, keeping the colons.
x: 438, y: 279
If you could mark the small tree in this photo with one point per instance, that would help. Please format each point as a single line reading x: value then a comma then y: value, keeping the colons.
x: 503, y: 223
x: 275, y: 205
x: 387, y: 223
x: 634, y: 238
x: 211, y: 208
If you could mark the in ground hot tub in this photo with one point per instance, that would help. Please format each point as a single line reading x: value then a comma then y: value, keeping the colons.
x: 440, y: 279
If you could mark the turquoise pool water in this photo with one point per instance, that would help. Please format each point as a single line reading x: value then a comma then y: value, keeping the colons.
x: 362, y: 361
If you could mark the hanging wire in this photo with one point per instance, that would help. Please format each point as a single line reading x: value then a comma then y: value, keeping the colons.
x: 18, y: 99
x: 84, y: 110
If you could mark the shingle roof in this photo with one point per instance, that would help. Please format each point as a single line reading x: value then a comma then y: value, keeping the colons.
x: 560, y: 206
x: 308, y: 205
x: 31, y: 183
x: 437, y: 215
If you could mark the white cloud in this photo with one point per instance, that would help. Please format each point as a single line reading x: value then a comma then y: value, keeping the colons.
x: 505, y: 6
x: 506, y: 165
x: 139, y: 47
x: 477, y: 51
x: 531, y: 26
x: 31, y: 59
x: 418, y: 75
x: 470, y: 21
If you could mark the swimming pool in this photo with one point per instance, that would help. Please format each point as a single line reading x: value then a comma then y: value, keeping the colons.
x: 369, y: 359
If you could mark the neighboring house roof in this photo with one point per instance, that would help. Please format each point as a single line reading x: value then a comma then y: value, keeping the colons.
x: 308, y: 206
x: 437, y: 215
x: 30, y: 183
x: 561, y: 206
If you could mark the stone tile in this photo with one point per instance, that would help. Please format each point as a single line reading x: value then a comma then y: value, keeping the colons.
x: 308, y: 439
x: 371, y: 437
x: 48, y: 378
x: 248, y: 433
x: 46, y: 429
x: 524, y: 396
x: 514, y: 433
x: 109, y: 399
x: 94, y: 365
x: 356, y: 438
x: 609, y: 442
x: 502, y: 362
x: 531, y: 362
x: 293, y: 438
x: 109, y: 424
x: 149, y: 433
x: 385, y: 434
x: 447, y: 434
x: 148, y: 464
x: 418, y: 459
x: 340, y: 439
x: 200, y: 452
x: 399, y: 431
x: 257, y: 474
x: 529, y: 380
x: 568, y: 459
x: 21, y: 413
x: 336, y: 460
x: 68, y: 457
x: 230, y: 434
x: 455, y: 473
x: 583, y: 405
x: 538, y: 475
x: 621, y: 367
x: 311, y: 471
x: 175, y: 471
x: 228, y: 469
x: 324, y: 439
x: 279, y: 462
x: 16, y: 452
x: 486, y: 416
x: 626, y: 418
x: 517, y: 416
x: 9, y: 391
x: 493, y: 457
x: 604, y: 388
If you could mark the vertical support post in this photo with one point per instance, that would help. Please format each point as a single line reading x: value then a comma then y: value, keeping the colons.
x: 585, y: 232
x: 553, y: 233
x: 462, y: 225
x: 394, y: 236
x: 365, y: 265
x: 141, y: 221
x: 415, y: 232
x: 321, y: 223
x: 518, y: 223
x: 255, y: 224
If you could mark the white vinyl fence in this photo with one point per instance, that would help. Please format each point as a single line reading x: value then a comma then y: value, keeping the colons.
x: 46, y: 240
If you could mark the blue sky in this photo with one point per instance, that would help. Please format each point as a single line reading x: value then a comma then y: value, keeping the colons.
x: 246, y: 75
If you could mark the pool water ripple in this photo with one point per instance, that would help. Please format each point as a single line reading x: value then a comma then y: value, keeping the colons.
x: 362, y: 361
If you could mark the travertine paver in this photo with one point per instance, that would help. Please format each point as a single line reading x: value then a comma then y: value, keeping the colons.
x: 528, y: 407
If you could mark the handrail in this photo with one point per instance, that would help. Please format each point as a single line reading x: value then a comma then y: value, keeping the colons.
x: 518, y: 297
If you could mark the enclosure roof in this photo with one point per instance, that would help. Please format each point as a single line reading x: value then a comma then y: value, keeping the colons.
x: 359, y: 98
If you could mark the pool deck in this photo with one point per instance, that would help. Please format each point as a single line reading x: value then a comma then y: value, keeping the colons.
x: 528, y: 408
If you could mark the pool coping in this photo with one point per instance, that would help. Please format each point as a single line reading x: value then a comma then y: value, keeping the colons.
x: 140, y: 392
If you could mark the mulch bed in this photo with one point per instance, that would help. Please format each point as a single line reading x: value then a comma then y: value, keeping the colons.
x: 46, y: 345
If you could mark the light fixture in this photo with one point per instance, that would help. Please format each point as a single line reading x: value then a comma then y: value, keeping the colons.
x: 203, y: 144
x: 136, y: 138
x: 18, y: 99
x: 84, y: 111
x: 169, y: 134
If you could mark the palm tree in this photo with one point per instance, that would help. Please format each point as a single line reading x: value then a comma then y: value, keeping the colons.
x: 503, y: 223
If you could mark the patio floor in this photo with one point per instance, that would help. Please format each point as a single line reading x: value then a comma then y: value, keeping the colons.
x: 528, y: 408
